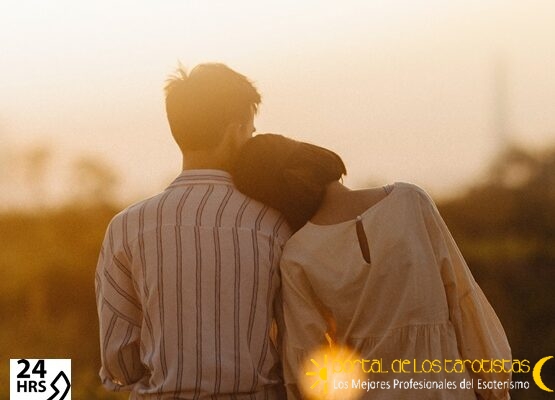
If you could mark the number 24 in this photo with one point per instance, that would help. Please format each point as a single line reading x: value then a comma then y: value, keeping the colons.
x: 37, y: 369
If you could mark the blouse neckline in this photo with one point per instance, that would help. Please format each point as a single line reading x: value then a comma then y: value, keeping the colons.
x: 389, y: 189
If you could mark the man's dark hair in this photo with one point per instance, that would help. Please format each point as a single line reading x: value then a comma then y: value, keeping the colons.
x: 201, y: 104
x: 287, y: 175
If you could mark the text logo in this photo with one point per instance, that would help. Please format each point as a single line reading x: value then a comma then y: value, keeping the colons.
x: 40, y: 379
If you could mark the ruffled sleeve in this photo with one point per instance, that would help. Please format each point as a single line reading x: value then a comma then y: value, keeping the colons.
x: 306, y: 324
x: 479, y: 333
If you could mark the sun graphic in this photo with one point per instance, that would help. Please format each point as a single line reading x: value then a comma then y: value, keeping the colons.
x: 324, y: 375
x: 321, y: 375
x: 315, y: 373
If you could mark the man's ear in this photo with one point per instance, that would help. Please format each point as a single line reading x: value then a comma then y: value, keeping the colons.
x: 231, y: 138
x: 236, y: 134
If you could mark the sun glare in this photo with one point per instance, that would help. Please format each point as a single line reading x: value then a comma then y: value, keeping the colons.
x: 332, y: 373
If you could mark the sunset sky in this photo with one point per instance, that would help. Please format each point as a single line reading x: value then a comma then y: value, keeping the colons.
x: 403, y: 90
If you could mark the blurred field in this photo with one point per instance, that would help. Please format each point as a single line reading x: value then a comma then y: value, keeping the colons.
x: 505, y: 228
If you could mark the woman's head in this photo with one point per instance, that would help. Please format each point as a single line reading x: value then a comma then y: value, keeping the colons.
x: 287, y: 175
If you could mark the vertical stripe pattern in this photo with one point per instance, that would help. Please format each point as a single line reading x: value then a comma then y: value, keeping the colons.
x: 186, y: 284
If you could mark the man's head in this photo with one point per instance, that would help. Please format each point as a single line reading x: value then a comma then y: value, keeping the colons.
x: 211, y: 107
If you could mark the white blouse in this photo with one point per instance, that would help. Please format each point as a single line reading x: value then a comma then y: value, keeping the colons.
x: 416, y: 300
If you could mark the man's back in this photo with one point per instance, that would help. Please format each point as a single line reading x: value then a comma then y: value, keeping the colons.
x: 186, y: 285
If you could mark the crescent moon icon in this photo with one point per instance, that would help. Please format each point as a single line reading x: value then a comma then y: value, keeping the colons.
x: 536, y: 374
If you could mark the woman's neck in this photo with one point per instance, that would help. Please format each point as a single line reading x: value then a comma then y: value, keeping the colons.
x: 330, y: 210
x: 343, y: 204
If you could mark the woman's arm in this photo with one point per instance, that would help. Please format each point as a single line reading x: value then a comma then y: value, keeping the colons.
x: 480, y: 335
x: 306, y: 325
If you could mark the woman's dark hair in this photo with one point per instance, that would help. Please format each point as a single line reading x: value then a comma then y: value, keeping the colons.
x: 287, y: 175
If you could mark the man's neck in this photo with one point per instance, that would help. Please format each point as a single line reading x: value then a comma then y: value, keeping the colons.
x: 204, y: 160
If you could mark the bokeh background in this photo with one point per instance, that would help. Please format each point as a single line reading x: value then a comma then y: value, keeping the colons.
x: 458, y: 97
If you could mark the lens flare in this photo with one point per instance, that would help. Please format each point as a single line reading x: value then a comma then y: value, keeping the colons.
x: 330, y: 372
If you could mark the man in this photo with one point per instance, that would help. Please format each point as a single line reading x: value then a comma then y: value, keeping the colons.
x: 187, y: 280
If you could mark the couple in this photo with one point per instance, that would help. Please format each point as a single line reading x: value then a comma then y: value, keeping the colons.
x: 221, y: 286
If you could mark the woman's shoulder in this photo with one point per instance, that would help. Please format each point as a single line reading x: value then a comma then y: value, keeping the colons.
x: 404, y: 199
x: 415, y: 198
x: 397, y: 193
x: 412, y: 189
x: 407, y: 186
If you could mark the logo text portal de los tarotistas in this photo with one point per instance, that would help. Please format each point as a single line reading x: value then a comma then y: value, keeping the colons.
x: 337, y: 374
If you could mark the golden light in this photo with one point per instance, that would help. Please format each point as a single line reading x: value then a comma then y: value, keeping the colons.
x: 332, y: 373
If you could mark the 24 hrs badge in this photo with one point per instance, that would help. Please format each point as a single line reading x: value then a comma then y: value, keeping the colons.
x: 40, y: 379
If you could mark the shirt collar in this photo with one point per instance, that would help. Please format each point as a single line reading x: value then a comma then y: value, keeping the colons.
x: 204, y: 176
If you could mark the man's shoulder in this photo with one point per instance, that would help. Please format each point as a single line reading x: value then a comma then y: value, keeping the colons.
x: 237, y: 210
x: 263, y: 218
x: 134, y: 209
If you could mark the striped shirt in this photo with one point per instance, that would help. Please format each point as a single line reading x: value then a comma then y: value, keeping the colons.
x: 187, y: 290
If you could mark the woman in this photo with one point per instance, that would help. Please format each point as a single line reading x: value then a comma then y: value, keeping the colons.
x: 377, y: 271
